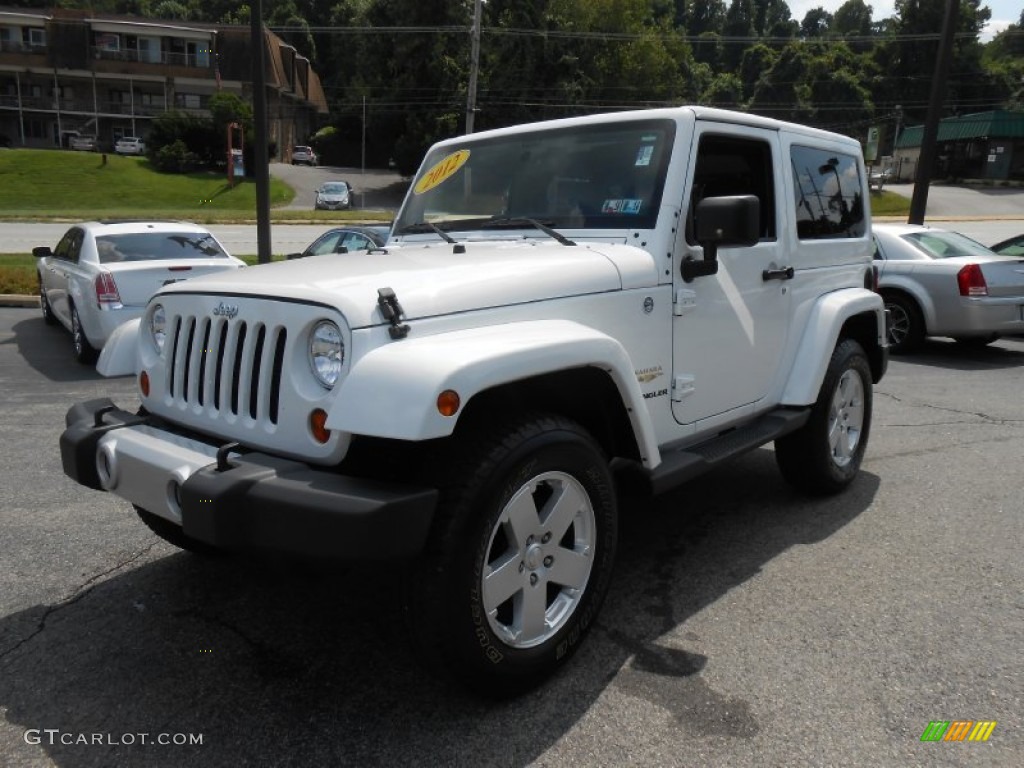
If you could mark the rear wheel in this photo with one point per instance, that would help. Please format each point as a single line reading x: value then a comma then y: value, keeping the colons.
x: 906, y: 324
x: 520, y: 558
x: 826, y: 453
x: 85, y: 353
x: 173, y: 534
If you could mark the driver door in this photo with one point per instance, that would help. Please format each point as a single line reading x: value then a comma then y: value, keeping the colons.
x: 730, y: 328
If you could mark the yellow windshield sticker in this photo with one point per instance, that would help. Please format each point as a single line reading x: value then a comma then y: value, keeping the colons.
x: 441, y: 171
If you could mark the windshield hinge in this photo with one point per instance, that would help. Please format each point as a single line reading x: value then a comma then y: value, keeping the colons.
x: 392, y: 311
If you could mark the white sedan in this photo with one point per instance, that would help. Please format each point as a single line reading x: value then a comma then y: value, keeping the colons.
x: 941, y: 283
x: 130, y: 145
x: 101, y: 275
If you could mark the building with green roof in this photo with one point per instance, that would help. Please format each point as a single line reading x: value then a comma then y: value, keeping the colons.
x: 983, y: 145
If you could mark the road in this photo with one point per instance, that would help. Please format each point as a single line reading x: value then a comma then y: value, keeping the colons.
x: 747, y: 625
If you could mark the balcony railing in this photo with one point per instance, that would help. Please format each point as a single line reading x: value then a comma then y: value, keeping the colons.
x: 16, y: 46
x: 193, y: 60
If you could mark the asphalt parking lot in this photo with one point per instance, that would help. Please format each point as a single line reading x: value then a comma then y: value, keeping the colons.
x: 746, y: 626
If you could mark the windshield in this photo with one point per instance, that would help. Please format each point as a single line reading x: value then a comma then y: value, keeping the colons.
x: 947, y: 245
x: 607, y: 176
x: 157, y: 246
x: 334, y: 189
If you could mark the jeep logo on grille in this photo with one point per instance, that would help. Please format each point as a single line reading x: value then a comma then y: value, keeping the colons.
x: 225, y: 310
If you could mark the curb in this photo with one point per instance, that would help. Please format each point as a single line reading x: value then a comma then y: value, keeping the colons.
x: 14, y: 300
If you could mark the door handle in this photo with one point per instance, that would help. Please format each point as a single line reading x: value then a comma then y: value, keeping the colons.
x: 786, y: 273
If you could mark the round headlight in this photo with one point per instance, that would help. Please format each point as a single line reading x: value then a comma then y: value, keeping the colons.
x: 158, y: 325
x: 326, y: 353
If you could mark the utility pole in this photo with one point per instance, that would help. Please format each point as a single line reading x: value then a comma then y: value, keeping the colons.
x: 260, y: 150
x: 919, y: 201
x: 474, y: 65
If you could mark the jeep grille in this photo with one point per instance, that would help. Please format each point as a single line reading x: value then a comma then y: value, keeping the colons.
x: 229, y: 367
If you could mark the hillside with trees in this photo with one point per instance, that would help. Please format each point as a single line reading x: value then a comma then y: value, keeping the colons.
x: 405, y: 64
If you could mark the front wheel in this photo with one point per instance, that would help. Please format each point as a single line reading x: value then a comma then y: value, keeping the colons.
x: 520, y: 558
x: 825, y: 454
x: 44, y: 304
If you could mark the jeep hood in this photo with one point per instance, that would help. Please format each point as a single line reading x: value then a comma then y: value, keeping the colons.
x: 432, y: 279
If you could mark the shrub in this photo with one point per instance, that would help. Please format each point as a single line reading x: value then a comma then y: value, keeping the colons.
x: 175, y: 158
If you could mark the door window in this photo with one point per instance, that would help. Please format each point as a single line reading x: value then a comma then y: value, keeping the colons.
x: 733, y: 165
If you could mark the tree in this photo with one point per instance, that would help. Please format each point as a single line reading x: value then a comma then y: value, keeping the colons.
x: 739, y: 24
x: 817, y: 23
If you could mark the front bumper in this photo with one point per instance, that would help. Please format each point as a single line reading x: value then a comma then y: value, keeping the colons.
x: 251, y: 502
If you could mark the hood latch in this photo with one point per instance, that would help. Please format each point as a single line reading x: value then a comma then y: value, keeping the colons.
x: 392, y: 311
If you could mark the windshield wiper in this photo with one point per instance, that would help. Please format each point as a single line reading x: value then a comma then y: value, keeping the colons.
x: 422, y: 226
x: 519, y: 221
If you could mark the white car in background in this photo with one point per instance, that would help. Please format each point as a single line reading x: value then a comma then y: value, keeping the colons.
x: 130, y: 145
x: 102, y: 274
x: 940, y: 283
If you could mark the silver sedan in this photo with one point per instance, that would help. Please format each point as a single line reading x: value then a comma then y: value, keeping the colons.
x: 941, y: 283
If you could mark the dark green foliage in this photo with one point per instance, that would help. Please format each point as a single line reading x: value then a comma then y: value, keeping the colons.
x: 175, y: 158
x: 404, y: 64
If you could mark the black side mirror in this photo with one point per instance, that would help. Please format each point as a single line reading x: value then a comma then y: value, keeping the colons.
x: 42, y: 251
x: 723, y: 222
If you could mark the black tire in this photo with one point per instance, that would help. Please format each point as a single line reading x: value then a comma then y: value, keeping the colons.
x: 48, y: 317
x: 172, y: 534
x: 824, y: 456
x: 906, y: 323
x: 484, y: 635
x: 85, y: 353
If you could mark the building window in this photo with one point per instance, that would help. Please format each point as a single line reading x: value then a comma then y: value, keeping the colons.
x: 35, y: 129
x: 188, y: 100
x: 37, y: 37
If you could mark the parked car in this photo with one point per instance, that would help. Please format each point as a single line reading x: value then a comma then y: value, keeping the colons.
x: 303, y: 155
x: 83, y: 143
x: 941, y: 283
x: 1013, y: 246
x: 130, y: 145
x: 101, y: 274
x: 878, y: 179
x: 345, y: 240
x: 333, y: 196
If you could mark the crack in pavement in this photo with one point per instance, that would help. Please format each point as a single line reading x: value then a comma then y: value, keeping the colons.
x: 77, y: 594
x: 977, y: 414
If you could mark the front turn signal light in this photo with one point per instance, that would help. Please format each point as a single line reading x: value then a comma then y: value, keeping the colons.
x: 318, y: 426
x: 144, y: 384
x: 448, y: 402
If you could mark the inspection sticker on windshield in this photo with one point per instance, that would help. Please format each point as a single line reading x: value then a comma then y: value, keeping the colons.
x: 644, y: 155
x: 621, y: 206
x: 441, y: 171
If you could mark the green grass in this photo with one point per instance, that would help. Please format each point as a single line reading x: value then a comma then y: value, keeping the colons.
x: 889, y: 204
x: 80, y: 185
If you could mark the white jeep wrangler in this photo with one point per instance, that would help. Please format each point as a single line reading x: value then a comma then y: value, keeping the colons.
x: 560, y: 307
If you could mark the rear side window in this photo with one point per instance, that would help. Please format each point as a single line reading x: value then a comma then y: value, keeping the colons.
x: 829, y: 200
x: 157, y: 246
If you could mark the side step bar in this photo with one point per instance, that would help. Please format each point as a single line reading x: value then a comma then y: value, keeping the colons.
x: 685, y: 463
